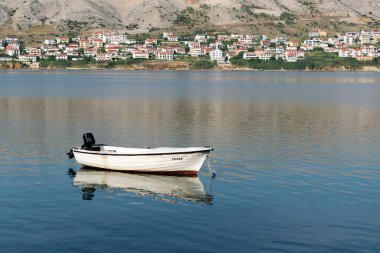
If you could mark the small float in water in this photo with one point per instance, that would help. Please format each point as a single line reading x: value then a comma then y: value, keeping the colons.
x: 164, y: 160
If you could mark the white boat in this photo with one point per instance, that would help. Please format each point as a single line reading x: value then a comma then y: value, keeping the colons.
x: 187, y: 161
x: 161, y: 187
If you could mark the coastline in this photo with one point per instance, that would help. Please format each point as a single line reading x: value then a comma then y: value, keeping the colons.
x: 183, y: 66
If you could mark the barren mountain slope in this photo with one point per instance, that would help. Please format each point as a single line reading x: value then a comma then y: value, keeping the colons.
x: 68, y: 15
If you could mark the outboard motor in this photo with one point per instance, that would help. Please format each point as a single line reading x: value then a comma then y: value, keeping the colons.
x: 88, y: 141
x: 70, y: 154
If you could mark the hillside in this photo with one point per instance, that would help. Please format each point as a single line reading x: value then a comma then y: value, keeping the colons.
x: 145, y: 15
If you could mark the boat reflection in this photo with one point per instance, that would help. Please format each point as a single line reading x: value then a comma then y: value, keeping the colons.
x: 164, y: 188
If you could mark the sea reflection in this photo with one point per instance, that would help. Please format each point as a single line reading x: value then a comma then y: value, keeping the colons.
x: 164, y: 188
x: 296, y: 157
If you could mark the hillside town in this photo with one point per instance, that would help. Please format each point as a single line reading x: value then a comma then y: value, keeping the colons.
x: 111, y: 45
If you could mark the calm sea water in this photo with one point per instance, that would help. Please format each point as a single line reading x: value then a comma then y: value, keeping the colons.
x: 296, y: 156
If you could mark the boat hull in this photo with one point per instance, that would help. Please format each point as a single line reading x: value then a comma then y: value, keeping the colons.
x: 173, y: 163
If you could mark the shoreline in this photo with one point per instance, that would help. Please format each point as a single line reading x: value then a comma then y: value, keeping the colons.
x: 180, y: 65
x: 167, y: 67
x: 370, y: 69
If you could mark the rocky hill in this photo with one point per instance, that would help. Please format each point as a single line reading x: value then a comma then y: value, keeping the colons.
x: 144, y: 15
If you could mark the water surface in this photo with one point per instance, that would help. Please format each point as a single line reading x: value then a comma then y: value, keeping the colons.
x: 296, y: 157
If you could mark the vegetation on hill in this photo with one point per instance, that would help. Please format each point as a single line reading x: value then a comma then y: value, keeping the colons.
x: 87, y: 63
x: 314, y: 60
x: 203, y: 64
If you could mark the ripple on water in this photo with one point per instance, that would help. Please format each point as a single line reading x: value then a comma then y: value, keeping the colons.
x: 296, y: 157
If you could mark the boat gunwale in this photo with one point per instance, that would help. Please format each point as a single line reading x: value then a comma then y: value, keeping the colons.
x: 176, y: 173
x: 91, y: 152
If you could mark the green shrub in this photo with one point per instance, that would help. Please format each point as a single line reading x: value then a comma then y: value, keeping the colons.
x: 203, y: 64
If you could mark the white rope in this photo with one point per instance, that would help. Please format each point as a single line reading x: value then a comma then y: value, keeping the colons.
x: 209, y: 157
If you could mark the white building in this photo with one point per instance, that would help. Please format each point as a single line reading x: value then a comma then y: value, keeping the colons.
x: 165, y: 56
x: 50, y: 42
x: 172, y: 38
x: 245, y: 40
x: 12, y: 50
x: 365, y: 39
x: 34, y: 51
x: 291, y: 57
x: 237, y: 36
x: 332, y: 41
x: 200, y: 38
x: 368, y: 50
x: 166, y: 34
x: 313, y: 34
x: 291, y: 48
x: 103, y: 57
x: 300, y: 54
x: 216, y: 45
x: 259, y: 54
x: 344, y: 52
x: 51, y: 50
x: 72, y: 48
x: 61, y: 57
x: 356, y: 52
x: 196, y: 51
x: 306, y: 47
x: 314, y: 42
x: 90, y: 52
x: 130, y: 42
x: 265, y: 56
x: 5, y: 59
x: 138, y: 54
x: 27, y: 58
x: 354, y: 34
x: 281, y: 39
x: 280, y: 50
x: 348, y: 39
x: 216, y: 55
x: 62, y: 40
x: 61, y: 46
x: 119, y: 38
x: 249, y: 55
x: 375, y: 33
x: 11, y: 39
x: 365, y: 33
